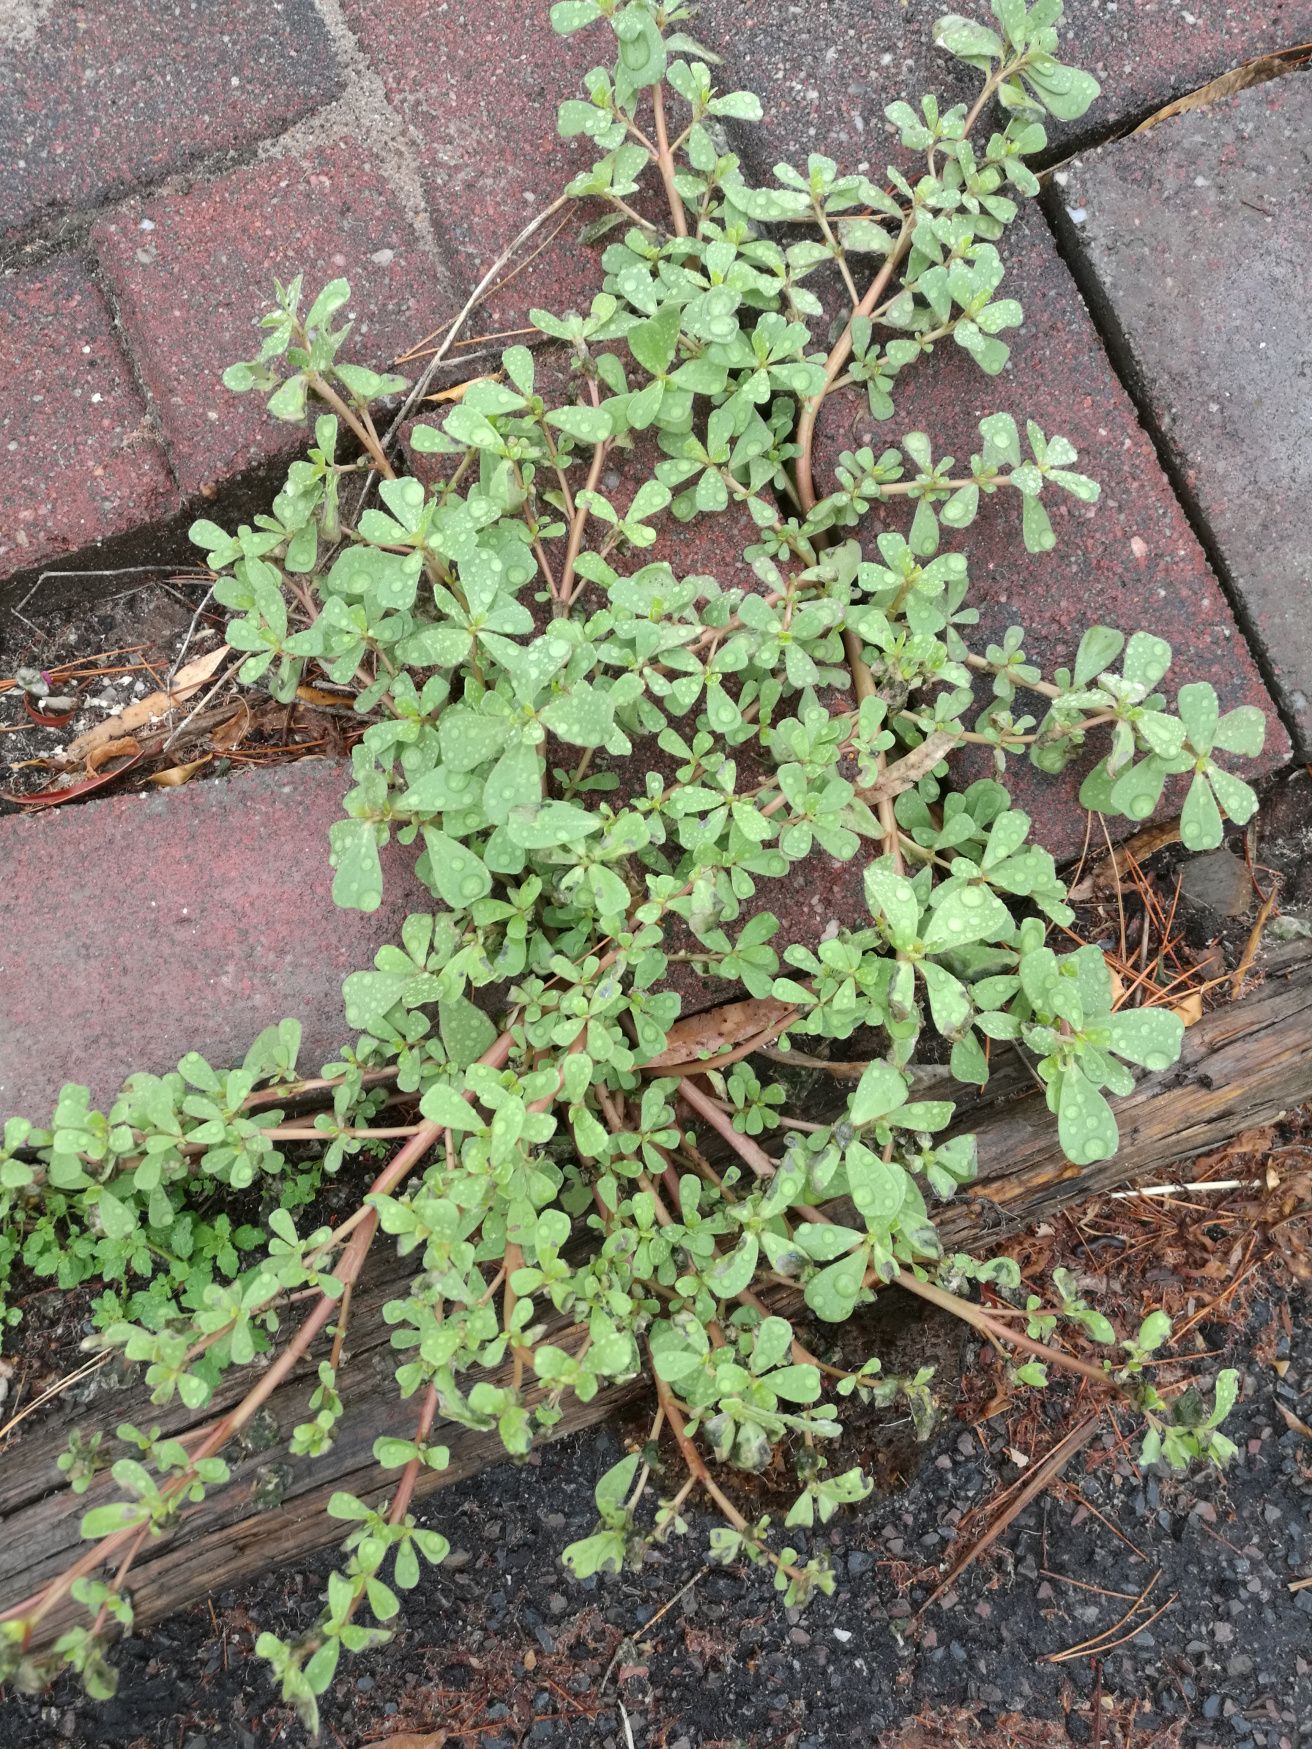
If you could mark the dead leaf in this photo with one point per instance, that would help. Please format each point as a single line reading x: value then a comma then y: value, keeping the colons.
x: 177, y: 774
x: 410, y: 1740
x: 54, y: 798
x: 230, y: 734
x: 1254, y: 72
x: 909, y: 770
x: 1103, y: 881
x: 124, y: 748
x: 323, y: 699
x: 143, y: 711
x: 1190, y: 1010
x: 719, y: 1030
x: 1293, y: 1423
x: 457, y: 390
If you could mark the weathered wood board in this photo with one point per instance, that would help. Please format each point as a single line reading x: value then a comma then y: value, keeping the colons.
x: 1242, y: 1066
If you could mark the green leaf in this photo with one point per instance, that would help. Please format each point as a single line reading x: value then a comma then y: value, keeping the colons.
x: 1035, y: 527
x: 1149, y: 1036
x: 881, y: 1089
x: 553, y: 823
x: 116, y: 1218
x: 583, y: 424
x: 358, y: 880
x: 584, y: 716
x: 967, y: 40
x: 892, y: 897
x: 1242, y: 730
x: 456, y: 873
x: 832, y: 1293
x: 568, y: 16
x: 653, y: 342
x: 288, y: 400
x: 1085, y: 1125
x: 729, y: 1275
x: 442, y: 1104
x: 964, y: 913
x: 878, y: 1186
x: 795, y: 1384
x: 1099, y: 648
x: 1200, y: 818
x: 1155, y: 1329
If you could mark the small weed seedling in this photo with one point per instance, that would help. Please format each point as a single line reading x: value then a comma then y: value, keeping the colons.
x: 602, y: 762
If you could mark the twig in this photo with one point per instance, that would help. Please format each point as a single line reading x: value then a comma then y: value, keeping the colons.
x: 420, y: 388
x: 1254, y: 941
x: 1047, y: 1472
x: 1179, y: 1189
x: 666, y: 1607
x: 167, y: 688
x: 55, y: 1390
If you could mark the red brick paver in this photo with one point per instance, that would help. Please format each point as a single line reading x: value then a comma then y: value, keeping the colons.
x: 192, y: 273
x: 1131, y: 560
x: 111, y: 93
x: 134, y: 928
x: 484, y: 119
x: 1160, y: 221
x: 825, y: 71
x: 78, y: 459
x: 138, y: 928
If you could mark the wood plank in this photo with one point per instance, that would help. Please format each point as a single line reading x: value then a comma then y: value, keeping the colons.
x: 1242, y: 1066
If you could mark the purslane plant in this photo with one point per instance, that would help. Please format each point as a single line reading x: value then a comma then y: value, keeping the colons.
x: 603, y: 761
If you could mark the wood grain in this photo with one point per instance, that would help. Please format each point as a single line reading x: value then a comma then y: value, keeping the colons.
x: 1242, y: 1066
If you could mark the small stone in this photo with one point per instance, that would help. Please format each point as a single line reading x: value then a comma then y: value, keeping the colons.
x: 1217, y: 881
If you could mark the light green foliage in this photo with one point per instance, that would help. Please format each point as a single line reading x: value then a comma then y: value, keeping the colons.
x: 599, y: 759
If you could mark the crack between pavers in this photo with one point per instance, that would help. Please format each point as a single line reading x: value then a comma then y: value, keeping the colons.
x: 153, y: 422
x: 1174, y: 464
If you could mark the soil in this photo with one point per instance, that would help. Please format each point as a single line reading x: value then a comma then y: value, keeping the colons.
x: 500, y: 1647
x: 121, y: 649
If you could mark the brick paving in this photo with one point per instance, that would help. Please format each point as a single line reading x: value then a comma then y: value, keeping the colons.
x: 1195, y: 240
x: 483, y: 118
x: 192, y: 272
x: 825, y: 72
x: 79, y: 461
x: 146, y: 925
x: 161, y: 160
x: 113, y: 95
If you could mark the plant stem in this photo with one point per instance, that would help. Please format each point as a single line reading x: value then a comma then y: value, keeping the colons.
x: 665, y: 164
x: 980, y: 1320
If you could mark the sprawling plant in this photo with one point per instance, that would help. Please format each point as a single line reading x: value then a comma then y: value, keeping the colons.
x: 603, y: 761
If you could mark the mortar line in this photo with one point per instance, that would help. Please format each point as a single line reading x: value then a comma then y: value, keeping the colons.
x: 1120, y: 355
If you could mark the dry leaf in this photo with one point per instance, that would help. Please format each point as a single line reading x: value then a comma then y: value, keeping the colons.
x: 457, y: 390
x: 1254, y: 72
x: 143, y: 711
x: 719, y: 1030
x: 321, y: 697
x: 909, y: 770
x: 1190, y: 1009
x: 234, y: 730
x: 410, y: 1740
x: 1103, y: 881
x: 1293, y: 1423
x: 177, y: 774
x: 124, y: 748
